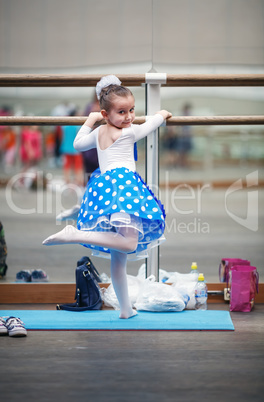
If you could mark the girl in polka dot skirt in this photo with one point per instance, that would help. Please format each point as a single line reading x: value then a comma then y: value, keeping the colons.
x: 119, y: 215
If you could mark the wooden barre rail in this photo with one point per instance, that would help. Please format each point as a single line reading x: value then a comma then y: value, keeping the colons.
x: 173, y: 121
x: 90, y: 80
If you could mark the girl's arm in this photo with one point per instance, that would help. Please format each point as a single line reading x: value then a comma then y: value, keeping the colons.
x: 83, y: 141
x: 151, y: 124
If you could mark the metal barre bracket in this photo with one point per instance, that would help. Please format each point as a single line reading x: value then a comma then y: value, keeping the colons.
x: 156, y: 78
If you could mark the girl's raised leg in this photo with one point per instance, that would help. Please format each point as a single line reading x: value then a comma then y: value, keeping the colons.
x: 120, y: 243
x: 125, y: 240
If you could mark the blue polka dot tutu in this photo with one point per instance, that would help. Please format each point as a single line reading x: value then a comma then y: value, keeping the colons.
x: 120, y: 198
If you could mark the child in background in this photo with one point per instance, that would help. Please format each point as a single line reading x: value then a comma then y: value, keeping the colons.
x: 72, y: 159
x: 119, y: 214
x: 30, y: 155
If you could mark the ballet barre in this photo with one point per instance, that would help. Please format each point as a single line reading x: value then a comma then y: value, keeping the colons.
x: 133, y: 80
x: 172, y: 121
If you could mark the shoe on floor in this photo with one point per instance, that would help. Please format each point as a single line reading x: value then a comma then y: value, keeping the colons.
x: 23, y: 276
x: 15, y: 327
x: 38, y: 275
x: 3, y: 328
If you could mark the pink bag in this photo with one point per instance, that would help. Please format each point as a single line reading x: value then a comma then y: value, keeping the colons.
x: 225, y: 266
x: 244, y: 285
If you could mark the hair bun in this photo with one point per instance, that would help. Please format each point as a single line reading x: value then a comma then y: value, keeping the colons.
x: 105, y: 82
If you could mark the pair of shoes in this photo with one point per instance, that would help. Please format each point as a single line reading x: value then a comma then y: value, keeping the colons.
x: 13, y: 326
x: 23, y: 276
x: 36, y: 275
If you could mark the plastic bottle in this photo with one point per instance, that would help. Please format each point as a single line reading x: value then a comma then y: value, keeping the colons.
x: 201, y: 294
x: 194, y: 272
x: 194, y: 269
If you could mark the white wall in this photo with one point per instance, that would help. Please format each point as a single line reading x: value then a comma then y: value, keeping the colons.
x: 65, y: 34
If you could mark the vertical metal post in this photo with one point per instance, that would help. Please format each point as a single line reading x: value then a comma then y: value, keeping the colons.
x: 153, y: 104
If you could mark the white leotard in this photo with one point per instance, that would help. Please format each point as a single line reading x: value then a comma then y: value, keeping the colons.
x: 121, y: 152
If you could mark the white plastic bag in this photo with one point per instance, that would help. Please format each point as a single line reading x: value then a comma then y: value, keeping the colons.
x: 189, y: 289
x: 175, y: 277
x: 163, y: 275
x: 109, y: 297
x: 156, y: 296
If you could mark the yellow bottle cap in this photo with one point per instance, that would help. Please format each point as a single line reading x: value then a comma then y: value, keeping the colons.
x: 194, y: 265
x: 201, y: 277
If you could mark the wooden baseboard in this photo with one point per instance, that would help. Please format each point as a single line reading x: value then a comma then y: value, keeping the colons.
x: 48, y: 293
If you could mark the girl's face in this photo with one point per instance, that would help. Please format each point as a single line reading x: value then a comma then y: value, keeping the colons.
x: 122, y: 112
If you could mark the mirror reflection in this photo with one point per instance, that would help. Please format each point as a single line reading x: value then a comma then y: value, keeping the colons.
x: 205, y: 221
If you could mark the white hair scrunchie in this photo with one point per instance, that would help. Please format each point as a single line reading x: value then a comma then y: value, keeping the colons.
x: 105, y: 82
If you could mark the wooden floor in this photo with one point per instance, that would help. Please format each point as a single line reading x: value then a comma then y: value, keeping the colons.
x: 147, y: 366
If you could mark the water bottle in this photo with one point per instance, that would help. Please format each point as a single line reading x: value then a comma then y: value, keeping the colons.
x: 194, y: 269
x: 194, y: 272
x: 201, y: 294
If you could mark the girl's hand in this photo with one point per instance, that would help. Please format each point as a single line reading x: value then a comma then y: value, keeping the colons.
x: 165, y: 114
x: 93, y: 118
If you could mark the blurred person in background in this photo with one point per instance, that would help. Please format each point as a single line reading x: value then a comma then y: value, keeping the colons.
x: 8, y: 147
x: 30, y: 153
x: 62, y: 109
x: 8, y: 141
x: 184, y: 142
x: 31, y: 146
x: 50, y: 148
x: 72, y: 159
x: 169, y: 143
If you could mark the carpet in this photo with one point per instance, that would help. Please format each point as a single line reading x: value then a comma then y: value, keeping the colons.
x: 109, y: 320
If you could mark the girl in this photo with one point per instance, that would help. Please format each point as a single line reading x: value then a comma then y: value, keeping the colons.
x: 119, y: 214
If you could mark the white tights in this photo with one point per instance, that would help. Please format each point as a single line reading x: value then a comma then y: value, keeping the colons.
x: 119, y: 280
x: 120, y: 243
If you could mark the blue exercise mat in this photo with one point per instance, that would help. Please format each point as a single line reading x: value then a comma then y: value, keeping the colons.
x: 109, y: 320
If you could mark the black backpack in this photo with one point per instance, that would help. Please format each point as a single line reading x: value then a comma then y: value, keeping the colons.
x: 87, y: 294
